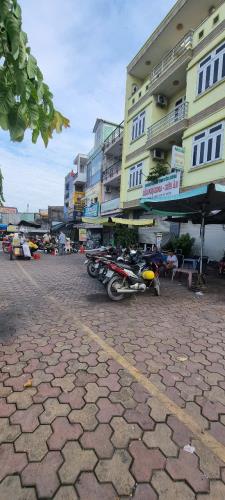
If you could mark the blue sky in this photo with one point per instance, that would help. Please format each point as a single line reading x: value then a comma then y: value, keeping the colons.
x: 82, y: 48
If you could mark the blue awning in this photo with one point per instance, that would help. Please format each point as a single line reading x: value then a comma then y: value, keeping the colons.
x: 3, y: 227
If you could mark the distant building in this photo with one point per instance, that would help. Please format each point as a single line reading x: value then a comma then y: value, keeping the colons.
x: 68, y: 196
x: 55, y: 213
x: 80, y: 180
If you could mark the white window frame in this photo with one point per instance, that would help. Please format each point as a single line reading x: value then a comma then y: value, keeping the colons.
x: 211, y: 69
x: 135, y: 175
x: 138, y: 126
x: 204, y: 147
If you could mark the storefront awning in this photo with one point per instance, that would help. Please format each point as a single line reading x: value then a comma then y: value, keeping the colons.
x: 118, y: 220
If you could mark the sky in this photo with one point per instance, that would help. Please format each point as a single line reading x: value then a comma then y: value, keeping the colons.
x: 82, y: 48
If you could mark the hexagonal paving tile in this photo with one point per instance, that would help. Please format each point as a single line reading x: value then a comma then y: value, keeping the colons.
x: 28, y: 419
x: 161, y: 438
x: 168, y: 489
x: 124, y: 432
x: 88, y: 487
x: 8, y: 432
x: 53, y: 409
x: 74, y: 398
x: 76, y: 460
x: 66, y: 493
x: 94, y: 392
x: 34, y: 443
x: 99, y: 440
x: 63, y: 431
x: 11, y: 488
x: 43, y: 475
x: 86, y: 417
x: 116, y: 471
x: 11, y: 462
x: 22, y: 399
x: 186, y: 468
x: 145, y: 461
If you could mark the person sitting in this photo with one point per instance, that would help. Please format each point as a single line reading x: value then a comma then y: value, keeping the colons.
x: 32, y: 246
x: 171, y: 261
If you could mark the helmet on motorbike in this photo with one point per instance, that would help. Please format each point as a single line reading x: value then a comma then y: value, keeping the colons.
x: 148, y: 275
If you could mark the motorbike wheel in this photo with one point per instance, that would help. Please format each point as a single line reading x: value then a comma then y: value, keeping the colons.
x: 111, y: 287
x: 91, y: 270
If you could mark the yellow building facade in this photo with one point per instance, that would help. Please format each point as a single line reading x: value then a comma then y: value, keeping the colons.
x: 175, y: 97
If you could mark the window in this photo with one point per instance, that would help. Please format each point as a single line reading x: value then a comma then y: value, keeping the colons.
x: 138, y: 126
x: 135, y: 176
x: 201, y: 34
x: 216, y: 19
x: 207, y: 146
x: 211, y: 69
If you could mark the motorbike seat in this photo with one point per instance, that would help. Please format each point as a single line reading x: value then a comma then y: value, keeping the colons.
x: 124, y: 266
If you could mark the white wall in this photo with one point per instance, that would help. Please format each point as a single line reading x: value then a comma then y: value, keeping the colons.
x: 214, y: 239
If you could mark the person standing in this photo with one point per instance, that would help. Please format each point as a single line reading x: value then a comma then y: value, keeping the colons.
x: 62, y: 242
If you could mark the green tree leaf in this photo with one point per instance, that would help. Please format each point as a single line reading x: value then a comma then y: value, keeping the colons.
x: 12, y: 25
x: 1, y: 189
x: 31, y: 66
x: 25, y: 99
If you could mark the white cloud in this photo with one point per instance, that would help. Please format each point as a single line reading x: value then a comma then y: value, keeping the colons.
x: 83, y: 48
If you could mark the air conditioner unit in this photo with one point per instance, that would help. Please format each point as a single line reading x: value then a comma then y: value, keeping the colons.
x: 107, y: 189
x: 161, y: 101
x: 158, y: 154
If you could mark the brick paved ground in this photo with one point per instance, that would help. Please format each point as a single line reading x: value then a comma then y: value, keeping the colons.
x: 107, y: 417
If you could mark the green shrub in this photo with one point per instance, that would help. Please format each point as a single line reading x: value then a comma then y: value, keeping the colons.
x: 125, y: 236
x: 184, y: 242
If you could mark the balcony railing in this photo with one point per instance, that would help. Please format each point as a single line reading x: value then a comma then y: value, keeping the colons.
x: 178, y: 114
x: 114, y: 135
x: 110, y: 205
x: 80, y: 177
x: 111, y: 172
x: 183, y: 46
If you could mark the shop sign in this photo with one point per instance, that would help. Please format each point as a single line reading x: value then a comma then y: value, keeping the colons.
x: 91, y: 211
x: 12, y: 229
x: 82, y: 234
x: 177, y: 160
x: 168, y: 185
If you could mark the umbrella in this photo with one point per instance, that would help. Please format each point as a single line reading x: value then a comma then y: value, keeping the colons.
x: 195, y: 204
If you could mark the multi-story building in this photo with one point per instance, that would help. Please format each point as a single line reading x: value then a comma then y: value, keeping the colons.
x: 93, y: 193
x: 80, y: 179
x: 175, y: 105
x: 69, y: 196
x: 111, y: 172
x: 111, y: 176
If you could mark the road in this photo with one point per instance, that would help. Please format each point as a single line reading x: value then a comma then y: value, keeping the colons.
x: 116, y: 391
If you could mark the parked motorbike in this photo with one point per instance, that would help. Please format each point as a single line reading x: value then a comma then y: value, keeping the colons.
x: 93, y: 260
x: 122, y: 280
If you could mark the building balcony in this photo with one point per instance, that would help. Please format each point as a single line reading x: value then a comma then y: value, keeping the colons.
x: 113, y: 144
x: 111, y: 175
x: 168, y: 130
x: 110, y: 206
x: 169, y: 76
x: 80, y: 178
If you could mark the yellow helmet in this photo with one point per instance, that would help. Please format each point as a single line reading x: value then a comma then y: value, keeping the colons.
x: 148, y: 275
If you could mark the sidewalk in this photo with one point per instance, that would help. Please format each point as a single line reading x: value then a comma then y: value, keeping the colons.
x: 117, y: 391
